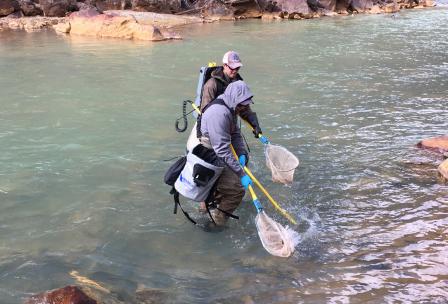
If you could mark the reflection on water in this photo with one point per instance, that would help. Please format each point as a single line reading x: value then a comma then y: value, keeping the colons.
x: 85, y: 126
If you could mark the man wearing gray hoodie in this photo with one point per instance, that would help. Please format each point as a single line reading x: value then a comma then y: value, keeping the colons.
x: 219, y: 130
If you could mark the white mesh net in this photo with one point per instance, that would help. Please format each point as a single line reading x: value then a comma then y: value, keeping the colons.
x: 276, y: 239
x: 281, y: 162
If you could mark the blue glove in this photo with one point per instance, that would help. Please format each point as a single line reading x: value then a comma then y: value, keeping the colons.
x: 243, y: 160
x: 246, y: 181
x: 263, y: 139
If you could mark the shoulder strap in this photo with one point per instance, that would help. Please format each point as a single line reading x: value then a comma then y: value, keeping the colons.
x: 216, y: 101
x: 177, y: 203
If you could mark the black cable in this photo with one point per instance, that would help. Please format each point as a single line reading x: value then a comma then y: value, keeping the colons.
x: 183, y: 117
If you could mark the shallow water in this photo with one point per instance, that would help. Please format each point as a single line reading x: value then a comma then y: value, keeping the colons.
x: 85, y: 127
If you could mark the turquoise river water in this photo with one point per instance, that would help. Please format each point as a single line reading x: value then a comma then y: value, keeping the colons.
x: 86, y: 124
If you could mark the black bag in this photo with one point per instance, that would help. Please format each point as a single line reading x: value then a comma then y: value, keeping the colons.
x: 174, y: 171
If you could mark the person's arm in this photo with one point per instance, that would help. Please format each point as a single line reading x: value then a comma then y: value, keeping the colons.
x: 251, y: 117
x: 209, y: 92
x: 219, y: 132
x: 238, y: 143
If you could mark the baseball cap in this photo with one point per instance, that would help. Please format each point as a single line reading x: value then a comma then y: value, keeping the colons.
x: 232, y: 59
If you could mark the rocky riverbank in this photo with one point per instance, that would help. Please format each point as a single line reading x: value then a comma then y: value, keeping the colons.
x: 149, y: 19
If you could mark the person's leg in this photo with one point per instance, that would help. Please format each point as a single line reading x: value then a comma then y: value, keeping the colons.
x: 229, y: 194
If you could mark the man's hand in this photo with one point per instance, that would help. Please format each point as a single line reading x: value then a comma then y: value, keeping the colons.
x: 246, y: 181
x: 243, y: 160
x: 263, y: 139
x: 257, y: 131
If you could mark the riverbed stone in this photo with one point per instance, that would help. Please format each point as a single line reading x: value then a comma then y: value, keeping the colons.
x: 8, y: 7
x: 439, y: 144
x: 66, y: 295
x: 443, y: 170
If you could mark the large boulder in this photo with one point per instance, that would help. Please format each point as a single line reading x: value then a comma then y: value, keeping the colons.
x: 8, y: 7
x: 57, y: 8
x: 158, y: 6
x: 294, y: 6
x: 443, y: 170
x: 328, y: 4
x: 113, y: 27
x: 361, y: 6
x: 29, y: 8
x: 65, y: 295
x: 439, y: 144
x: 343, y: 6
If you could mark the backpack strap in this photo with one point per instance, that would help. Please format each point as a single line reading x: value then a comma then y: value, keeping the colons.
x: 177, y: 203
x: 216, y: 101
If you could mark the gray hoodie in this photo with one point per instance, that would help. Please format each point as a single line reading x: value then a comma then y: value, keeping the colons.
x: 220, y: 125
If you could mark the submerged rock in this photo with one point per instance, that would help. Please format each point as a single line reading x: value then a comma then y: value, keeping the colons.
x: 65, y: 295
x: 443, y: 170
x: 145, y: 295
x: 439, y: 144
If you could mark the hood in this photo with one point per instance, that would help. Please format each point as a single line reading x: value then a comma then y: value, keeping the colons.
x: 236, y: 93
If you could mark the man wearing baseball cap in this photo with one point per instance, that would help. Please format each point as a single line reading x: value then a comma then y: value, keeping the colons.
x: 220, y: 78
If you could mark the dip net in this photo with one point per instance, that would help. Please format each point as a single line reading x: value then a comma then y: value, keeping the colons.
x: 276, y: 239
x: 281, y: 162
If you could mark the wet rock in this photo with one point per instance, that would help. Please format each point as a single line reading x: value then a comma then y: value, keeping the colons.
x: 443, y: 170
x: 438, y: 144
x: 375, y: 10
x: 295, y: 6
x: 342, y: 6
x: 146, y: 295
x: 113, y: 27
x: 30, y: 8
x: 8, y: 7
x: 329, y: 5
x: 361, y: 6
x: 65, y: 295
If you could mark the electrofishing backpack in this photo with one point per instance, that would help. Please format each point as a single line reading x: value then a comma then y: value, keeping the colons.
x: 205, y: 73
